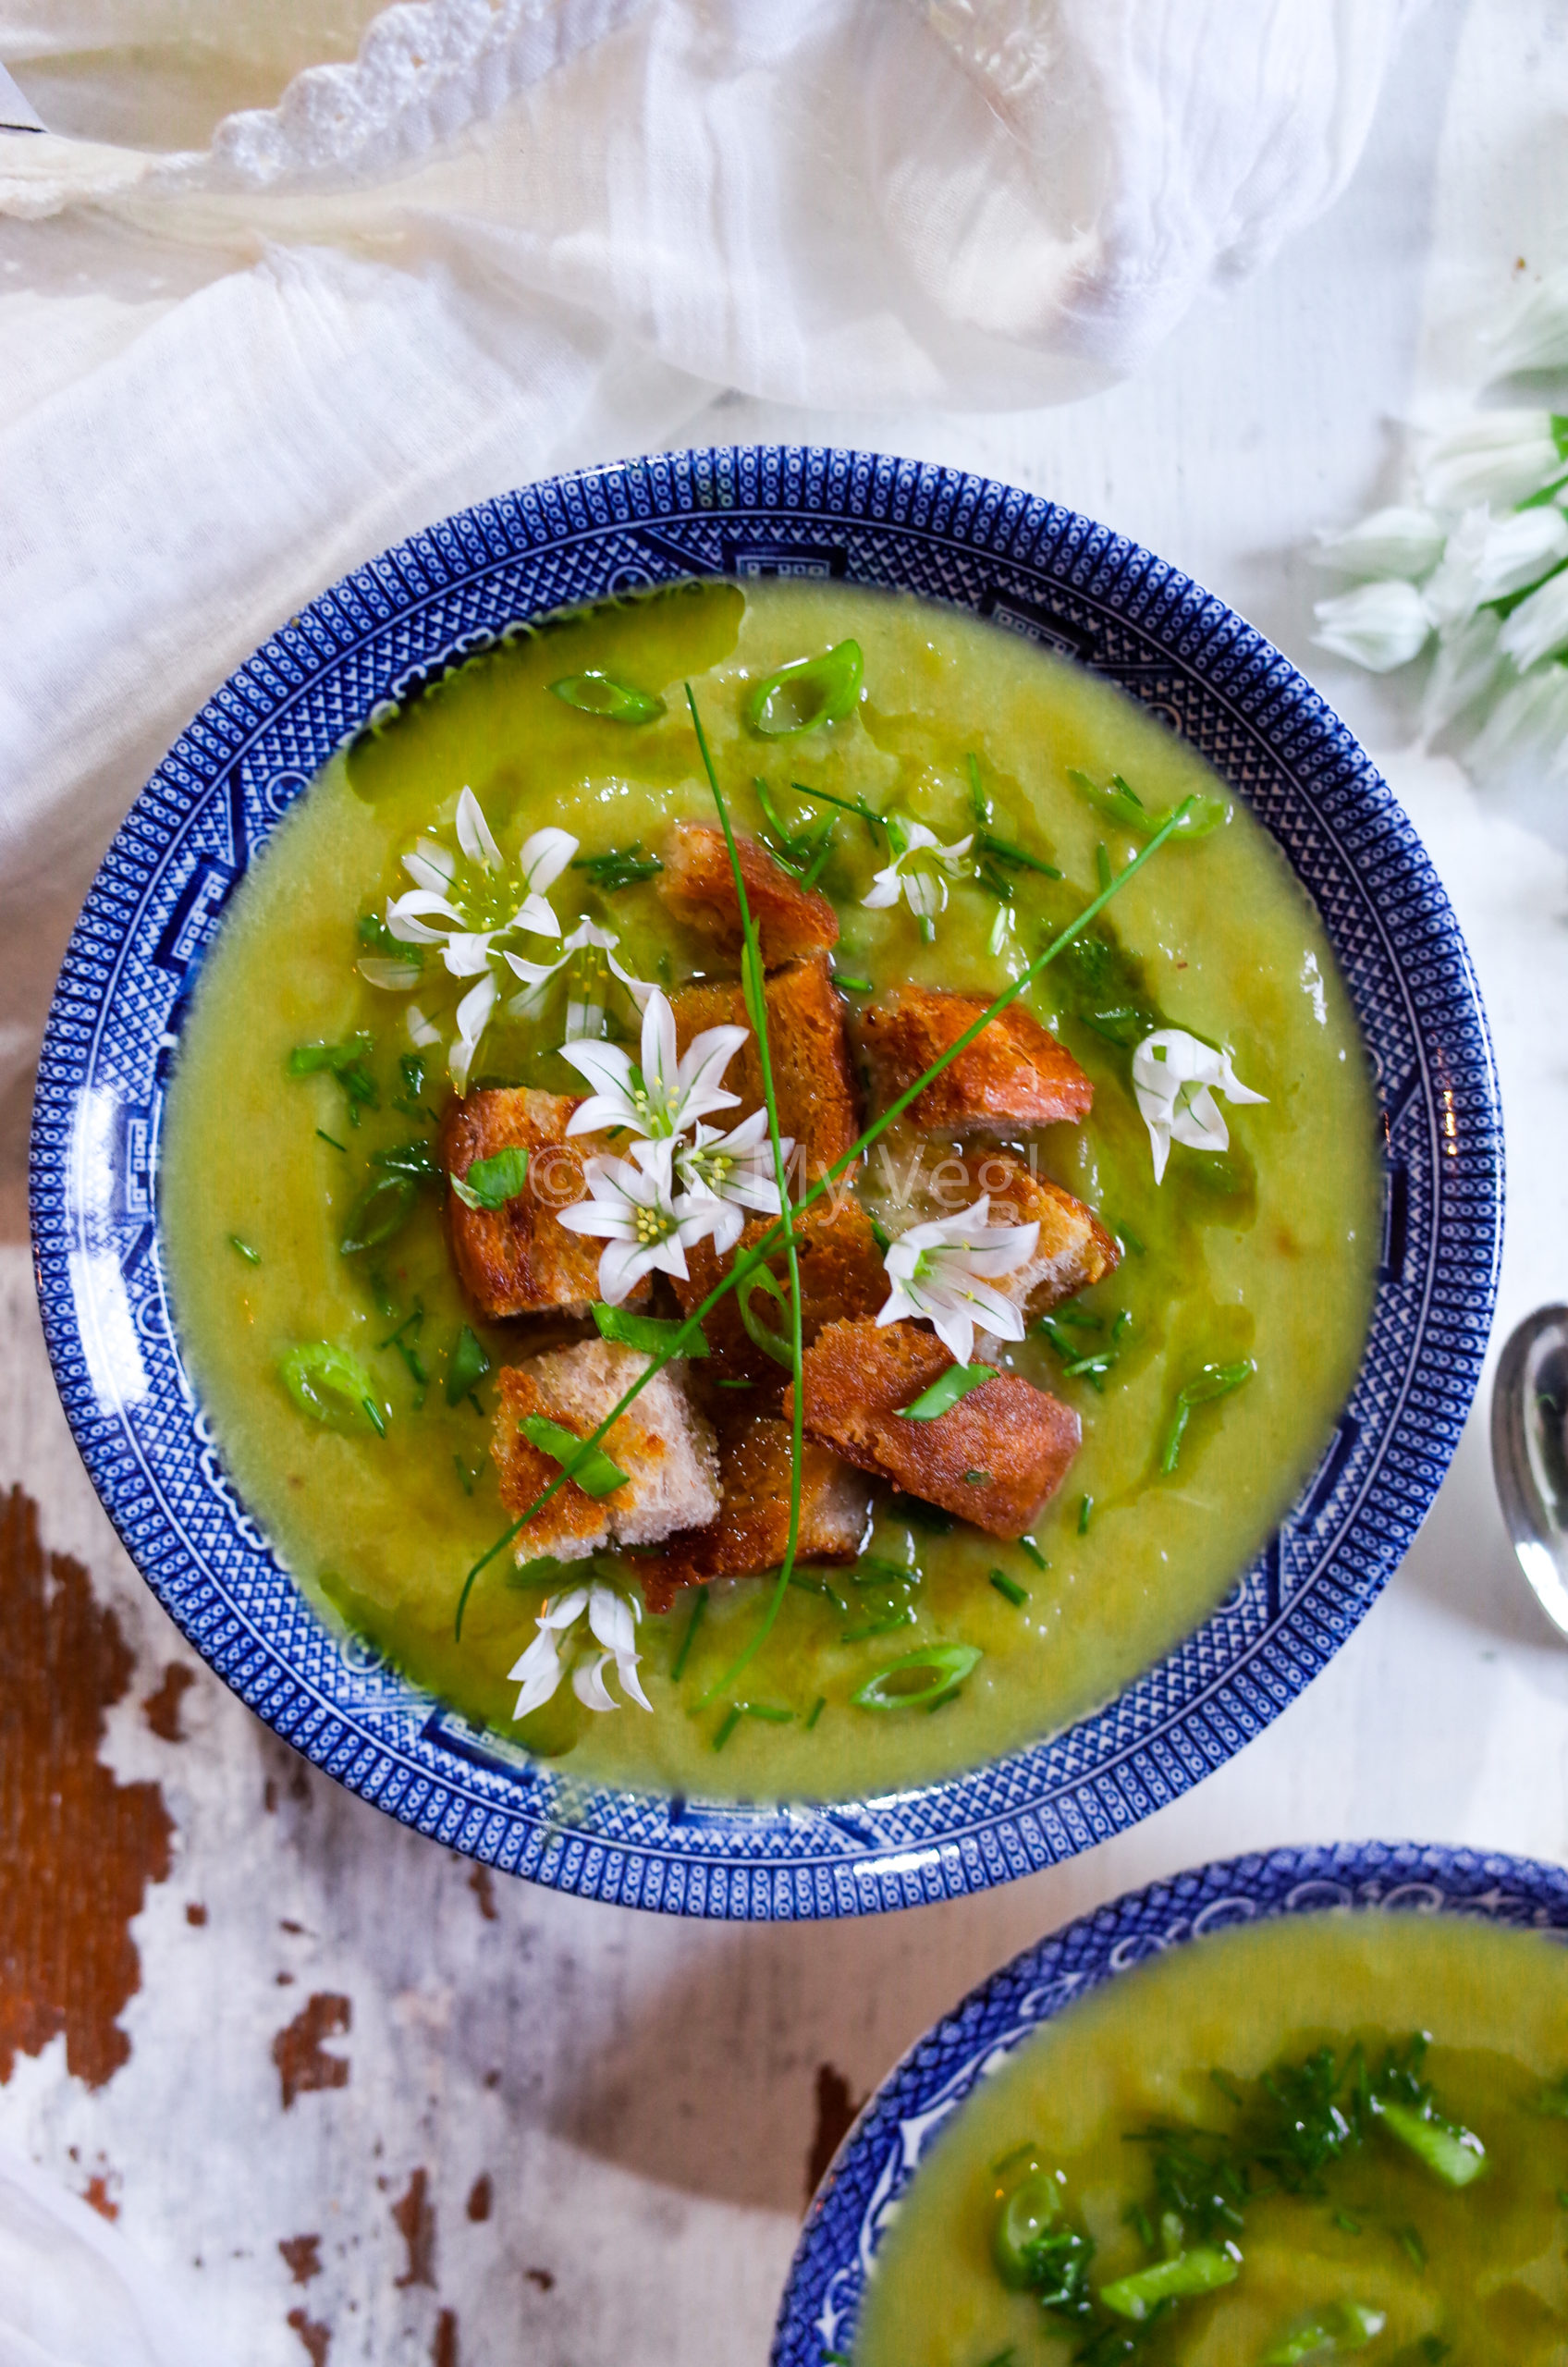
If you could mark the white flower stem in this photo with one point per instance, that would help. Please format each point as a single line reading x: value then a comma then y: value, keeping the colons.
x: 745, y: 1267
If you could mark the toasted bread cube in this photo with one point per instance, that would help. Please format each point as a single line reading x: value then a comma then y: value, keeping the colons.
x: 1015, y: 1074
x: 1072, y: 1250
x: 811, y: 1062
x: 996, y: 1458
x: 698, y: 885
x: 752, y: 1528
x: 842, y: 1275
x: 521, y: 1260
x: 661, y: 1442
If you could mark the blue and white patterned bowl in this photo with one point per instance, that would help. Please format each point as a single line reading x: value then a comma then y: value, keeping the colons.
x: 1034, y: 569
x: 873, y: 2167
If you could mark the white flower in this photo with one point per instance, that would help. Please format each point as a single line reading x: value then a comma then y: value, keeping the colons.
x: 1466, y: 664
x: 613, y: 1621
x: 1378, y: 625
x: 735, y: 1170
x: 1501, y: 456
x: 632, y: 1204
x: 919, y: 871
x: 471, y: 911
x: 666, y: 1096
x: 1488, y: 557
x: 1538, y: 627
x: 473, y: 1018
x: 1175, y: 1079
x: 1536, y: 338
x: 944, y: 1271
x: 588, y: 951
x: 1524, y: 739
x: 421, y: 1032
x: 1392, y: 542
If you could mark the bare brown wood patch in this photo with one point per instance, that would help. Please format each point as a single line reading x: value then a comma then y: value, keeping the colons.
x: 482, y: 1882
x: 836, y: 2112
x: 416, y: 2216
x: 162, y: 1707
x: 302, y: 2061
x: 99, y: 2199
x: 78, y: 1848
x: 480, y: 2196
x: 316, y: 2338
x: 302, y: 2254
x: 443, y: 2349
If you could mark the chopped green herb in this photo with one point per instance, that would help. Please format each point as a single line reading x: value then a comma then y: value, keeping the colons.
x: 1029, y: 2211
x: 382, y: 1209
x: 1451, y: 2153
x: 1203, y: 2270
x: 1344, y: 2326
x: 776, y: 1344
x: 817, y: 1708
x: 1213, y: 1381
x: 1343, y: 2220
x: 1019, y: 858
x: 1129, y: 1239
x: 251, y: 1257
x: 919, y: 1679
x: 1027, y: 1545
x: 726, y: 1725
x: 491, y: 1183
x: 466, y: 1365
x: 853, y: 986
x: 465, y: 1476
x: 1085, y: 1512
x: 1102, y: 864
x: 374, y: 1416
x: 979, y: 803
x: 946, y: 1391
x: 323, y: 1379
x: 1014, y: 1593
x: 808, y: 692
x: 344, y: 1061
x: 410, y: 1355
x: 734, y: 1384
x: 619, y: 867
x: 1078, y: 1363
x: 590, y: 1466
x: 768, y: 1714
x: 977, y: 1478
x: 416, y: 1159
x: 868, y: 814
x: 375, y: 935
x: 1122, y: 804
x: 655, y: 1335
x: 902, y: 1615
x: 1409, y: 2238
x: 602, y: 694
x: 322, y: 1136
x: 678, y: 1666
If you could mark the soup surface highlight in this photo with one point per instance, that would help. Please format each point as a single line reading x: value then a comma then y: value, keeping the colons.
x: 1206, y: 1369
x: 1323, y: 2134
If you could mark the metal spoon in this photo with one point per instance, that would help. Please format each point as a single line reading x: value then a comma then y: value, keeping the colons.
x: 1530, y: 1453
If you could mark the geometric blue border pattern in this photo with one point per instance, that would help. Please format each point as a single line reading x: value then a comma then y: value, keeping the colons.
x: 1035, y: 569
x: 873, y: 2166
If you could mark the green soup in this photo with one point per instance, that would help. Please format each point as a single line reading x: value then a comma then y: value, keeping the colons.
x: 1258, y: 1262
x: 1350, y: 2130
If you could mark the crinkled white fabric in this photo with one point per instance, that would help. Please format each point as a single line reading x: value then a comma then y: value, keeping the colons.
x: 74, y: 2293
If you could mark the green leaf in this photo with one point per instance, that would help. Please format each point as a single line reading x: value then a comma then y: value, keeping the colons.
x: 466, y: 1367
x: 946, y: 1391
x: 808, y: 692
x: 382, y: 1209
x: 1212, y: 1381
x: 618, y: 702
x: 589, y: 1466
x: 310, y: 1059
x: 326, y: 1382
x: 617, y: 867
x: 1203, y: 2270
x: 919, y: 1679
x: 414, y: 1158
x: 654, y: 1334
x: 491, y: 1183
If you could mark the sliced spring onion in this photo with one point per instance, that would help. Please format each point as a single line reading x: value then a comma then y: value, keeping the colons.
x: 491, y: 1183
x: 1124, y: 805
x: 1451, y: 2153
x: 323, y: 1381
x: 1010, y: 1588
x: 808, y: 692
x: 816, y: 1711
x: 1203, y: 2270
x: 654, y: 1334
x: 1214, y: 1381
x: 589, y: 1466
x: 466, y: 1367
x: 1027, y: 1545
x: 853, y: 986
x: 946, y: 1391
x: 618, y: 702
x: 1344, y: 2326
x: 1026, y: 2214
x: 919, y: 1679
x: 323, y: 1137
x: 382, y: 1209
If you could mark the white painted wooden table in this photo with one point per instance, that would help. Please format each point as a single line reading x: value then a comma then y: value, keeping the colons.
x: 571, y: 2134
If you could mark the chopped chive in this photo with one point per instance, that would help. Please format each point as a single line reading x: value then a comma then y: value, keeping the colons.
x: 979, y: 803
x: 1352, y: 2226
x: 464, y: 1474
x: 817, y: 1708
x: 766, y: 1711
x: 1416, y: 2250
x: 1129, y: 1239
x: 735, y: 1384
x: 814, y: 869
x: 594, y: 1472
x: 678, y: 1666
x: 251, y: 1257
x: 868, y: 815
x: 1211, y: 1382
x: 322, y: 1136
x: 853, y: 986
x: 1080, y: 1318
x: 1102, y: 864
x: 1005, y: 851
x: 1010, y: 1588
x: 1027, y: 1545
x: 373, y: 1416
x: 728, y: 1725
x: 1085, y: 1510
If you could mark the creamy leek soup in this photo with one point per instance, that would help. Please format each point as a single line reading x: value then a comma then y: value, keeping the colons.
x: 1320, y: 2135
x: 466, y: 937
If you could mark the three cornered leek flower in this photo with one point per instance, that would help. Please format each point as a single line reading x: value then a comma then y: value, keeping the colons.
x: 946, y: 1272
x: 667, y: 1093
x: 735, y: 1172
x: 1175, y: 1078
x: 648, y: 1226
x: 612, y: 1619
x: 1377, y: 625
x: 919, y: 871
x: 588, y: 958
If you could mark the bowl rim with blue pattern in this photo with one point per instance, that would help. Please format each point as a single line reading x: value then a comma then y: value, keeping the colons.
x: 396, y: 624
x: 882, y: 2152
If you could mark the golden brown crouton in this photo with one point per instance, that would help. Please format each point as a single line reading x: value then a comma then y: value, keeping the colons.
x: 752, y: 1528
x: 996, y: 1458
x: 841, y: 1274
x: 811, y: 1062
x: 699, y: 886
x: 521, y: 1260
x: 661, y: 1442
x: 1074, y: 1249
x: 1015, y: 1074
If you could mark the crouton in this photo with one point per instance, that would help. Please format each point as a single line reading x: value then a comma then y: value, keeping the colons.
x: 811, y: 1063
x: 752, y: 1528
x: 995, y: 1458
x: 521, y: 1260
x: 661, y: 1442
x: 842, y: 1275
x: 698, y: 885
x: 1074, y: 1249
x: 1015, y: 1074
